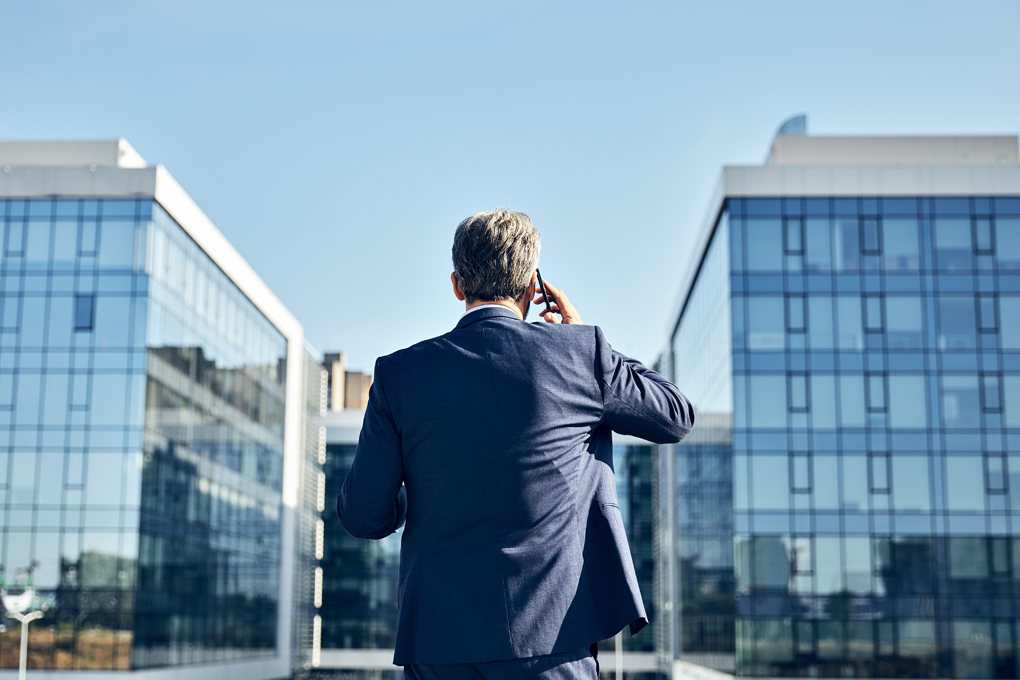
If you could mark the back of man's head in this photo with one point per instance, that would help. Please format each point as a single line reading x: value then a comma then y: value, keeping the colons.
x: 494, y: 254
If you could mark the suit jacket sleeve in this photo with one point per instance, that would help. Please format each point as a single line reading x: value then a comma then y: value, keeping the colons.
x: 373, y: 502
x: 637, y: 400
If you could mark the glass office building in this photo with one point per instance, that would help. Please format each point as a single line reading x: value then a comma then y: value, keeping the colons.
x: 359, y: 593
x: 848, y: 504
x: 150, y: 409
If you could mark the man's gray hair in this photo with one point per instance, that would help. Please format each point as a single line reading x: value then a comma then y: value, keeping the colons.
x: 494, y: 254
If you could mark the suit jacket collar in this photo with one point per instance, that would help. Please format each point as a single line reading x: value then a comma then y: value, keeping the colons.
x: 487, y: 313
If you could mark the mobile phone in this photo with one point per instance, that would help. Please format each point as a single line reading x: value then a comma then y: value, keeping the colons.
x: 545, y: 294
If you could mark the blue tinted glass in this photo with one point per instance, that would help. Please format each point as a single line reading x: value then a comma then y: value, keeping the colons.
x: 899, y: 206
x: 904, y: 327
x: 67, y: 209
x: 762, y: 206
x: 118, y: 209
x: 83, y: 312
x: 961, y: 403
x: 1007, y: 236
x: 770, y: 478
x: 846, y: 245
x: 953, y: 247
x: 952, y: 206
x: 40, y: 209
x: 910, y: 483
x: 33, y: 320
x: 765, y: 327
x: 957, y: 328
x: 900, y: 245
x: 764, y: 244
x: 112, y: 321
x: 117, y: 245
x: 820, y: 321
x: 1007, y: 206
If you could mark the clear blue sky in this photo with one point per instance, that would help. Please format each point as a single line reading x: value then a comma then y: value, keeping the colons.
x: 338, y: 144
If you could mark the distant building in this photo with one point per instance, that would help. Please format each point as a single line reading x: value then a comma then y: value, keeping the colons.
x: 347, y: 389
x: 848, y: 504
x: 158, y: 453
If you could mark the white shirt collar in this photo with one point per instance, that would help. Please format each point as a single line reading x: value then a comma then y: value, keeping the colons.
x: 475, y: 309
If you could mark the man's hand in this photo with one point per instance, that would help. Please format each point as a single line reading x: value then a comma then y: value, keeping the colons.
x: 559, y: 304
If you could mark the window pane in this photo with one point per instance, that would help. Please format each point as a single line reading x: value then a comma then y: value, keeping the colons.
x: 768, y: 400
x: 117, y: 245
x: 1009, y: 324
x: 817, y: 253
x: 986, y: 313
x: 37, y: 247
x: 795, y: 312
x: 113, y: 321
x: 910, y: 483
x: 880, y: 472
x: 869, y: 230
x: 826, y: 482
x: 876, y: 392
x: 855, y: 483
x: 1011, y: 399
x: 1007, y: 238
x: 972, y: 650
x: 900, y: 245
x: 65, y: 244
x: 903, y: 321
x: 33, y: 321
x: 851, y: 335
x: 846, y: 245
x: 957, y: 322
x: 961, y: 404
x: 952, y: 243
x: 820, y: 322
x: 771, y: 564
x: 798, y: 392
x: 907, y: 402
x: 764, y: 245
x: 989, y: 393
x: 851, y: 400
x: 983, y: 234
x: 801, y: 478
x: 828, y: 565
x: 793, y: 235
x: 766, y: 330
x: 858, y: 565
x: 770, y: 482
x: 996, y: 472
x: 823, y: 401
x: 965, y: 483
x: 83, y: 312
x: 873, y: 312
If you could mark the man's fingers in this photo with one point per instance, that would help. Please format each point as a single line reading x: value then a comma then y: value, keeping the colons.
x: 550, y: 317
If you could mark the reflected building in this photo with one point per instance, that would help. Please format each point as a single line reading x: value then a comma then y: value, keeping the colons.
x: 157, y: 472
x: 848, y: 504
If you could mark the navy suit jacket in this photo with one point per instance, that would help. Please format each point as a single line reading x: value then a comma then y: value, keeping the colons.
x: 494, y: 443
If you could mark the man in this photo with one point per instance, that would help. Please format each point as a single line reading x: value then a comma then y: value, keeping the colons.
x: 494, y: 442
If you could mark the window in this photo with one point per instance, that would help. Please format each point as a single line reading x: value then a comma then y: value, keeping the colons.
x: 900, y: 245
x: 983, y: 235
x: 880, y: 473
x: 953, y: 249
x: 873, y: 312
x: 987, y: 318
x: 991, y: 396
x: 801, y: 473
x: 870, y: 236
x: 794, y: 237
x: 876, y: 392
x: 795, y: 317
x: 84, y: 312
x: 798, y: 393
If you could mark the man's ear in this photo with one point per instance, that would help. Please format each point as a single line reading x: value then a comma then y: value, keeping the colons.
x: 456, y: 287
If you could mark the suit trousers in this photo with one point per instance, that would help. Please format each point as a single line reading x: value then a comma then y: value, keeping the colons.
x: 576, y: 665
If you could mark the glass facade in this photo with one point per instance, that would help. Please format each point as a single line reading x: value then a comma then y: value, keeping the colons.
x: 359, y: 598
x: 141, y: 411
x: 865, y: 466
x: 633, y: 464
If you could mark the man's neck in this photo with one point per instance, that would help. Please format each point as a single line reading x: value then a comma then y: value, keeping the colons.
x: 509, y: 304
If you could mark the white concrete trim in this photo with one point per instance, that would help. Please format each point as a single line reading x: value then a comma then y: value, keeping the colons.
x: 684, y: 670
x: 633, y: 662
x: 77, y: 182
x: 367, y: 659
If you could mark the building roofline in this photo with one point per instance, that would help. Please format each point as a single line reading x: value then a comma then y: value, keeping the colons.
x: 879, y: 180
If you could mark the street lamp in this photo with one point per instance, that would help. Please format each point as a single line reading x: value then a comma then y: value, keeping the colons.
x: 25, y: 620
x: 16, y: 606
